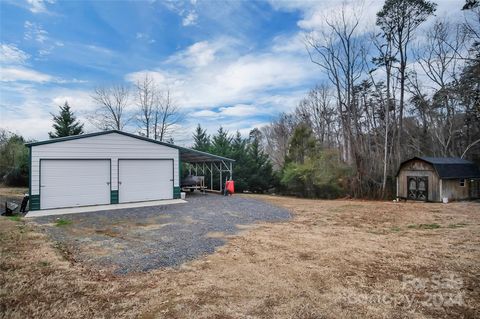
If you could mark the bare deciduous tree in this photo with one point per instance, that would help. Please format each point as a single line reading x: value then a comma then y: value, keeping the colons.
x: 146, y: 95
x: 166, y: 115
x: 111, y: 111
x: 317, y: 109
x: 277, y: 136
x: 438, y: 57
x: 399, y: 19
x: 339, y: 52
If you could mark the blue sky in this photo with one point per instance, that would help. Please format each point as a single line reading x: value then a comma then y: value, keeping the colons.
x: 231, y: 63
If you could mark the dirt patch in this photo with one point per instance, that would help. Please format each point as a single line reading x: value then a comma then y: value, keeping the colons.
x: 16, y: 192
x: 216, y: 234
x: 334, y: 259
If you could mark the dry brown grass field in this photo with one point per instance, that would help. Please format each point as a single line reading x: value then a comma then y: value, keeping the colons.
x: 333, y: 259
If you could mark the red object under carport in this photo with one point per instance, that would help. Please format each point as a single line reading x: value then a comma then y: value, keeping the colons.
x: 229, y: 186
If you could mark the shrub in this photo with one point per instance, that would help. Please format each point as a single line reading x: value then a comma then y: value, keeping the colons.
x: 320, y: 176
x: 13, y: 160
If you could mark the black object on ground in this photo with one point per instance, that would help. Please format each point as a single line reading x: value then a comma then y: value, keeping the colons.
x: 10, y: 208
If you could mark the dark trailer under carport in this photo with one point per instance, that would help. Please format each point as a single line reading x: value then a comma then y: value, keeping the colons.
x: 209, y: 166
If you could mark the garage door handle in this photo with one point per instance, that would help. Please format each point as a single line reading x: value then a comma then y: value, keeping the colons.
x: 120, y: 183
x: 108, y: 183
x: 171, y: 180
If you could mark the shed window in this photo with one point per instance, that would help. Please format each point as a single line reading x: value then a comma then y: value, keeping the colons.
x: 462, y: 182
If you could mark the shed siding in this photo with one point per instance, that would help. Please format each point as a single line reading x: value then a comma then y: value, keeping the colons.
x: 109, y: 146
x: 419, y: 168
x: 453, y: 190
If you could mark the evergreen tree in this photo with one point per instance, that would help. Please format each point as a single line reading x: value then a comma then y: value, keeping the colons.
x: 241, y: 165
x: 221, y: 143
x: 261, y: 176
x: 65, y: 123
x: 302, y: 144
x: 202, y: 140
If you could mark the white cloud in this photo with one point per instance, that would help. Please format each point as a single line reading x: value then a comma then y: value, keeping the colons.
x: 240, y: 110
x: 220, y: 84
x: 34, y: 31
x: 190, y: 19
x: 158, y: 77
x: 205, y: 113
x: 203, y: 53
x: 11, y: 54
x: 22, y: 74
x: 226, y: 78
x: 79, y: 100
x: 290, y: 43
x: 186, y: 10
x: 316, y: 13
x: 39, y: 6
x: 28, y: 110
x: 12, y: 74
x: 198, y: 54
x: 235, y: 81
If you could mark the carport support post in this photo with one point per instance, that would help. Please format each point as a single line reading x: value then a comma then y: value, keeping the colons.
x: 221, y: 179
x: 211, y: 176
x: 231, y: 171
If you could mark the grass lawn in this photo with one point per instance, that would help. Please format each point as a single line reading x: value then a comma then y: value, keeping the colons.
x: 333, y: 259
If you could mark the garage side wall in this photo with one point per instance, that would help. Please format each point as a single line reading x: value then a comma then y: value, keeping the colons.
x: 109, y: 146
x: 419, y: 168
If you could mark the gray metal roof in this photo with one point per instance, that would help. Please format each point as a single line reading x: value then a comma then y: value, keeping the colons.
x: 186, y: 154
x: 444, y: 160
x: 450, y: 167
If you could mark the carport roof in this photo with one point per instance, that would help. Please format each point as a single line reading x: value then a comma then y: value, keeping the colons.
x: 186, y: 154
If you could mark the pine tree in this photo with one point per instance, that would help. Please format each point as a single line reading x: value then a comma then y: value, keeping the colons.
x: 221, y: 144
x: 241, y: 169
x: 261, y: 176
x: 302, y: 144
x: 202, y: 140
x: 65, y: 123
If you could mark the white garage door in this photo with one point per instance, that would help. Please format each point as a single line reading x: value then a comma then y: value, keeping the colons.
x: 70, y: 183
x: 144, y: 180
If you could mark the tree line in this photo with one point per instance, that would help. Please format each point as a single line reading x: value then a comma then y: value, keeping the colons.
x: 252, y: 170
x: 389, y: 95
x: 408, y: 87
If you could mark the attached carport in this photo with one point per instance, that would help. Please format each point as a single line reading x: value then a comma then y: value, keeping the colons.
x: 213, y: 167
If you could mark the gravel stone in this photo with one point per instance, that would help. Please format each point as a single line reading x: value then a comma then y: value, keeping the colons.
x: 146, y: 238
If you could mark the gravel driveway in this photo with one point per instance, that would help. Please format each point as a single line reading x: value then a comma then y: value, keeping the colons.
x: 146, y: 238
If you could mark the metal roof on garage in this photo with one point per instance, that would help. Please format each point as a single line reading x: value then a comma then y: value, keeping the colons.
x: 186, y: 154
x: 450, y: 167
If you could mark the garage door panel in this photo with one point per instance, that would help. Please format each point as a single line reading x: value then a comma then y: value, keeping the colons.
x: 144, y: 180
x: 70, y: 183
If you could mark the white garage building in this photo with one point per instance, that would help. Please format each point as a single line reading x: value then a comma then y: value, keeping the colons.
x: 110, y: 167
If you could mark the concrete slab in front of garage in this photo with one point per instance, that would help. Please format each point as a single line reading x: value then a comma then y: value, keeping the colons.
x: 87, y: 209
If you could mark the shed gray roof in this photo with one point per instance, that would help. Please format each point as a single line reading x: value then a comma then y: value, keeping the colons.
x: 186, y: 154
x: 450, y: 167
x: 444, y: 160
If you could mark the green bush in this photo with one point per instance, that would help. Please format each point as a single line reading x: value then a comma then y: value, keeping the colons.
x: 14, y: 159
x: 320, y: 176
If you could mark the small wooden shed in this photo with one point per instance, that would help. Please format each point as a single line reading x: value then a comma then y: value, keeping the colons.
x: 435, y: 178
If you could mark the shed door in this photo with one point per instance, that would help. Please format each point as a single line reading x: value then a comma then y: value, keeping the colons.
x: 144, y: 180
x: 417, y: 187
x: 70, y: 183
